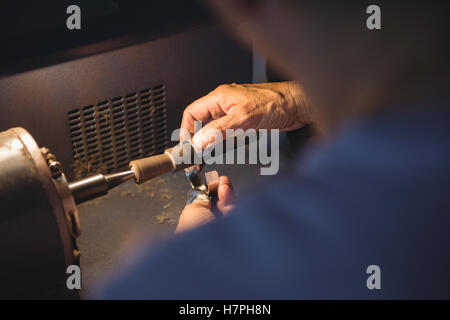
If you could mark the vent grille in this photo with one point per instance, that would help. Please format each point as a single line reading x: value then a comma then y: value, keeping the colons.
x: 107, y: 136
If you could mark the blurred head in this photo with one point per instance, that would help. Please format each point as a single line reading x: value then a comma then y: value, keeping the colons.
x: 344, y: 67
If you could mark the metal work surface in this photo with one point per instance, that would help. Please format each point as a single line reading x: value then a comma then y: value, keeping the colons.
x: 115, y: 225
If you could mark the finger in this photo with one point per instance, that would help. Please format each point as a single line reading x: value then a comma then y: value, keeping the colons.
x: 215, y: 131
x: 225, y: 194
x: 203, y: 109
x: 195, y: 206
x: 194, y: 215
x: 212, y: 179
x: 192, y: 211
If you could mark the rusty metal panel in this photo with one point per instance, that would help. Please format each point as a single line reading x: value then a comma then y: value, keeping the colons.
x: 108, y: 135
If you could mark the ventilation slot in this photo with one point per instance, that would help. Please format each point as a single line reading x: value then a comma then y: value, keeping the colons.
x: 107, y: 136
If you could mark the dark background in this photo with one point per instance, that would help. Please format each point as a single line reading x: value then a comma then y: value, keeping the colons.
x: 37, y: 29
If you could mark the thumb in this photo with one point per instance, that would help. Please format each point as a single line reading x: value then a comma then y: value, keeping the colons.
x: 194, y: 215
x: 225, y: 195
x: 215, y: 131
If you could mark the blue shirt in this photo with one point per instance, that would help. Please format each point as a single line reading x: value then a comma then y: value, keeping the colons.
x: 377, y: 194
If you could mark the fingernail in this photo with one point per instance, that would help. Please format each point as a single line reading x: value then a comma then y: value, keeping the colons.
x: 203, y: 138
x: 197, y: 141
x: 185, y: 136
x: 212, y: 177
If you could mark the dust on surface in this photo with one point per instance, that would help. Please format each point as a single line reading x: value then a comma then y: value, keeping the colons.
x: 165, y: 218
x: 82, y: 167
x: 127, y: 193
x: 163, y: 198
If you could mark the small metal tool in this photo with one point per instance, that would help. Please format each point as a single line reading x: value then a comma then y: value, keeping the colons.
x: 199, y: 190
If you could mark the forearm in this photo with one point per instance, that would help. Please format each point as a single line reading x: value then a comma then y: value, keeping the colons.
x: 293, y: 100
x: 305, y: 113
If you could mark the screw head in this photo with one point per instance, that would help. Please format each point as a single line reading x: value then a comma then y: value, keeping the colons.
x: 55, y: 168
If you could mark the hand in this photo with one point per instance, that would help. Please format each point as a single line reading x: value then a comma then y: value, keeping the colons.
x: 199, y: 213
x: 279, y: 105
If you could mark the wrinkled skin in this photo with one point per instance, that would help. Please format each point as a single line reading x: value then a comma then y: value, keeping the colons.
x: 281, y: 105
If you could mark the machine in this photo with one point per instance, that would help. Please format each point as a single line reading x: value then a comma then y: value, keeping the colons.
x: 39, y: 220
x: 79, y: 106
